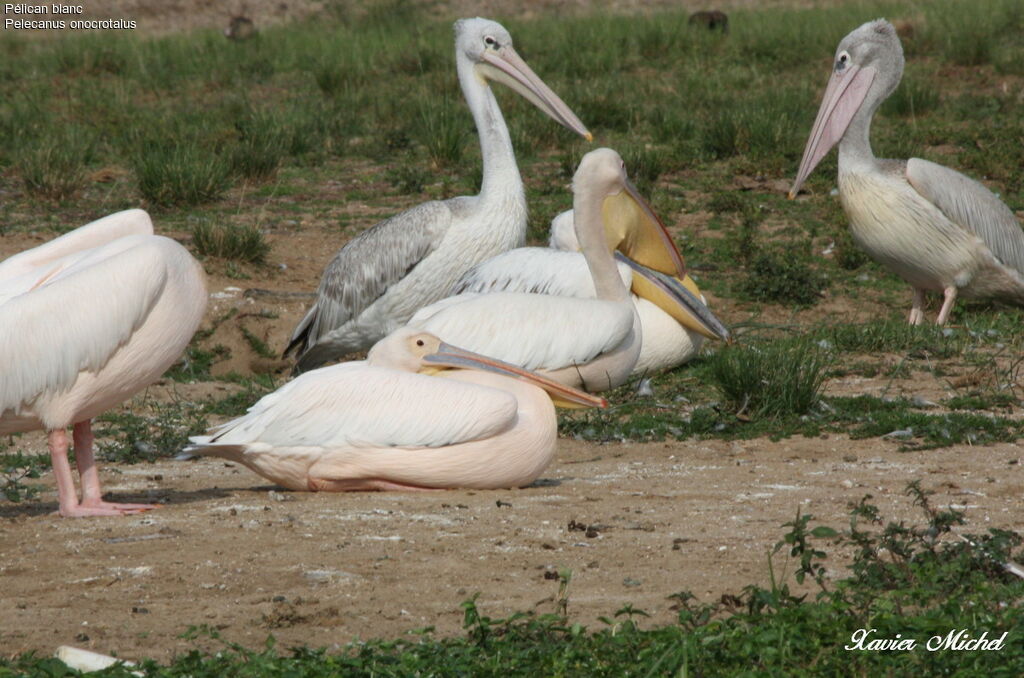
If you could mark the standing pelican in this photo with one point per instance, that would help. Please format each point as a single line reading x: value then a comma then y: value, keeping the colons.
x: 88, y: 320
x: 670, y: 338
x: 930, y: 225
x: 591, y: 343
x: 385, y: 424
x: 378, y: 280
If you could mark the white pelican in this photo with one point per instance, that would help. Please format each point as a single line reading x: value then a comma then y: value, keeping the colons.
x: 591, y: 343
x: 89, y: 319
x: 385, y: 424
x: 668, y: 341
x: 380, y: 278
x: 930, y: 225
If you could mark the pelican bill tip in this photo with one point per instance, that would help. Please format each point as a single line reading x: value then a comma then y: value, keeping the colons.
x: 791, y: 195
x: 589, y: 137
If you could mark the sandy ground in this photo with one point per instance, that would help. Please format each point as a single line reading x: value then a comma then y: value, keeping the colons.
x: 229, y: 551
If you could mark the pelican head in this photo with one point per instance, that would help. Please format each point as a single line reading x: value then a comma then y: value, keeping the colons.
x: 488, y: 46
x: 414, y: 350
x: 868, y: 65
x: 643, y: 242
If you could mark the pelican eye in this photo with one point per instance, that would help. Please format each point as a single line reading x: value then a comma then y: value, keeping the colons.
x: 490, y: 42
x: 420, y: 342
x: 841, y: 62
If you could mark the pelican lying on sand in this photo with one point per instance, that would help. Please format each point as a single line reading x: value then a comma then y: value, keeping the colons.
x: 377, y: 281
x: 384, y: 424
x: 930, y: 225
x: 591, y: 343
x: 88, y: 320
x: 668, y: 340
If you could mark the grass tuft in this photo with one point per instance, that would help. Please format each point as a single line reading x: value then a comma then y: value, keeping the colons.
x: 181, y: 172
x: 230, y: 241
x: 54, y: 167
x: 775, y: 380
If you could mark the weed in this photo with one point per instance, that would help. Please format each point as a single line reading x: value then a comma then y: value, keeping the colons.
x: 442, y: 131
x: 53, y: 167
x: 777, y: 379
x: 230, y: 241
x: 782, y: 278
x: 180, y: 172
x: 261, y: 145
x: 164, y: 431
x: 16, y: 468
x: 908, y: 578
x: 408, y: 178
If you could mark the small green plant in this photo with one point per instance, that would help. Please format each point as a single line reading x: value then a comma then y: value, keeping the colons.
x: 181, y: 172
x: 777, y: 379
x: 442, y: 131
x: 230, y: 241
x: 53, y: 167
x: 782, y: 278
x: 164, y: 431
x: 16, y: 468
x: 261, y: 145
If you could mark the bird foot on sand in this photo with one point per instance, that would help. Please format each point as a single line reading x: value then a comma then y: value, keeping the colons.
x: 104, y: 508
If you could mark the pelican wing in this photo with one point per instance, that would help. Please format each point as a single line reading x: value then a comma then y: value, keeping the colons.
x: 535, y: 270
x: 534, y: 331
x: 357, y: 404
x: 93, y: 234
x: 363, y: 270
x: 76, y: 314
x: 970, y: 205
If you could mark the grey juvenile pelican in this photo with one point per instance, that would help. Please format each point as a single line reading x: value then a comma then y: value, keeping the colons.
x: 930, y: 225
x: 378, y: 280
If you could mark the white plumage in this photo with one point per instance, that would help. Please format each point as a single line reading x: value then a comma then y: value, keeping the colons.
x: 88, y: 320
x: 379, y: 425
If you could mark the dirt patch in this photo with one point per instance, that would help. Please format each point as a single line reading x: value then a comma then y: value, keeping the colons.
x: 635, y: 523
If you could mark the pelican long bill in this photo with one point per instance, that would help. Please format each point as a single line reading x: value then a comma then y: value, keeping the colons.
x: 504, y: 65
x: 677, y: 299
x: 843, y: 96
x: 635, y: 230
x: 562, y: 395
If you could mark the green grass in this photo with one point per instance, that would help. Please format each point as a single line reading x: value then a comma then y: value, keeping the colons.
x: 230, y: 241
x: 915, y: 579
x: 777, y: 380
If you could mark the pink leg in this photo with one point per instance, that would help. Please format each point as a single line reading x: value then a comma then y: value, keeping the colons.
x: 66, y: 497
x: 917, y: 309
x: 947, y: 304
x: 92, y: 503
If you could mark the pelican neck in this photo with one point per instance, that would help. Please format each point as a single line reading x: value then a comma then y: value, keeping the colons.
x: 501, y: 178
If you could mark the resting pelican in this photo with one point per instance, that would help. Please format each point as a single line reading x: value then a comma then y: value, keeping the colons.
x: 930, y: 225
x: 384, y: 424
x: 88, y: 320
x: 668, y: 340
x: 591, y: 343
x: 379, y: 279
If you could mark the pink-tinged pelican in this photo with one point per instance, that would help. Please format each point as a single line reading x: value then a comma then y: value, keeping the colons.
x: 670, y: 338
x: 416, y: 414
x: 88, y: 320
x: 930, y: 225
x: 590, y: 343
x: 379, y: 279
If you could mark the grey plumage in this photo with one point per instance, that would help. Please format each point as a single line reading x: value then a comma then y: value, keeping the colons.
x: 970, y: 205
x: 368, y: 265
